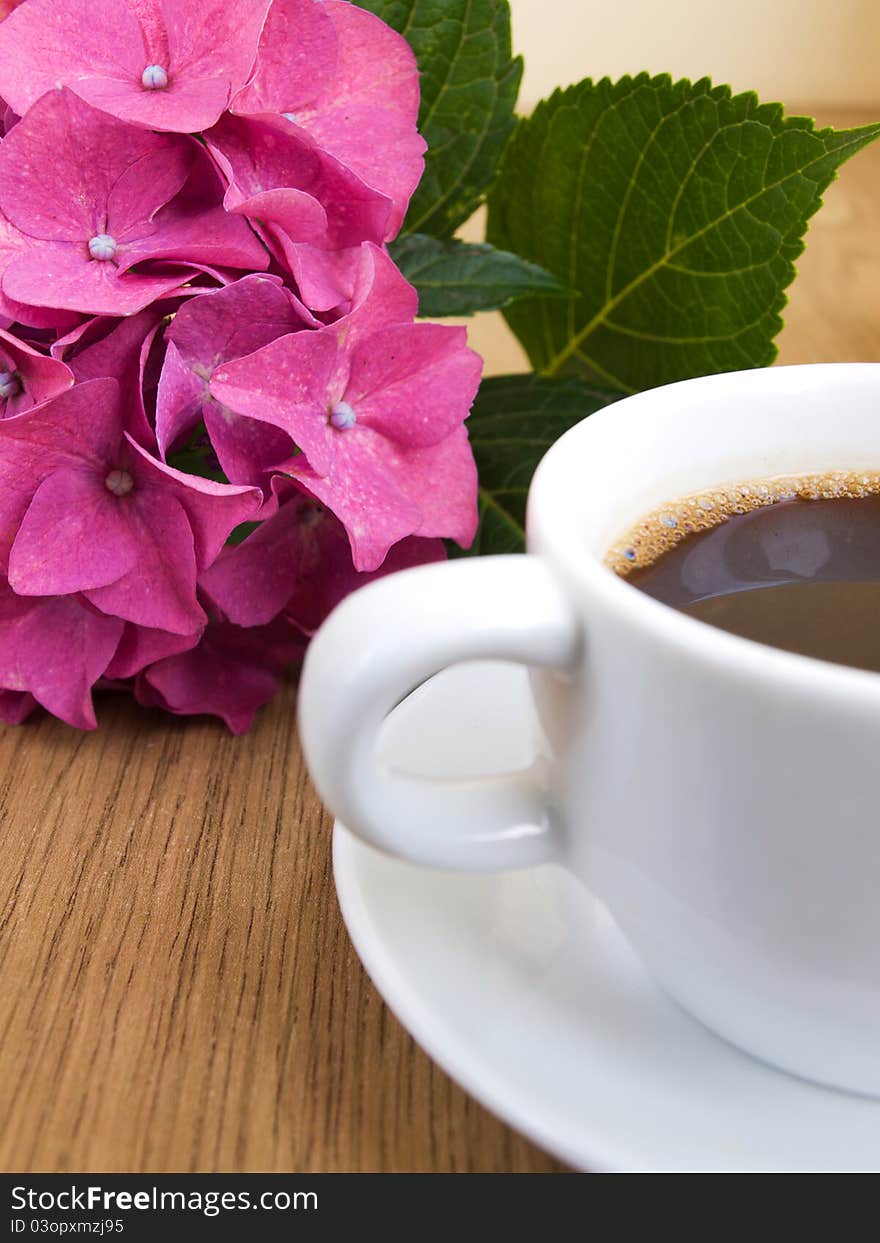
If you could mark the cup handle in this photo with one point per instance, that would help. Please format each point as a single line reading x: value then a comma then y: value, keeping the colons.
x: 375, y: 648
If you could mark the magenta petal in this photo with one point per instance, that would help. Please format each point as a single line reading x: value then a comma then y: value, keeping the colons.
x: 246, y: 449
x: 66, y: 165
x: 140, y: 647
x: 47, y: 41
x: 98, y: 48
x: 392, y: 162
x: 55, y: 649
x: 326, y: 279
x: 213, y: 509
x: 121, y: 354
x: 252, y: 581
x: 61, y: 274
x: 39, y: 377
x: 75, y: 535
x: 232, y: 673
x: 16, y: 706
x: 81, y: 425
x: 363, y: 490
x: 160, y: 590
x: 414, y: 383
x: 296, y: 57
x: 381, y: 295
x: 286, y: 384
x: 179, y: 400
x: 376, y: 66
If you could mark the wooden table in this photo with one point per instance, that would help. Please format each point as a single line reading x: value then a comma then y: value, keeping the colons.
x: 178, y: 991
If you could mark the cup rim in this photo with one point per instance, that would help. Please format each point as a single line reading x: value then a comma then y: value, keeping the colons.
x: 550, y: 534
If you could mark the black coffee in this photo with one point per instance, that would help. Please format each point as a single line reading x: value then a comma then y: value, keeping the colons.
x: 793, y: 563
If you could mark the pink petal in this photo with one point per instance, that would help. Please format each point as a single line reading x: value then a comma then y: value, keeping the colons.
x: 414, y: 383
x: 362, y: 490
x: 268, y: 153
x: 296, y: 56
x: 98, y: 49
x: 213, y: 509
x: 286, y: 384
x: 122, y: 355
x: 81, y: 425
x: 232, y: 673
x: 325, y: 278
x: 246, y: 449
x: 381, y: 295
x: 160, y: 590
x: 50, y: 41
x: 61, y: 274
x: 55, y: 649
x: 68, y: 171
x: 382, y: 494
x: 392, y: 162
x: 376, y: 66
x: 179, y: 401
x: 140, y: 647
x: 40, y: 377
x: 252, y: 581
x: 75, y: 535
x: 16, y: 706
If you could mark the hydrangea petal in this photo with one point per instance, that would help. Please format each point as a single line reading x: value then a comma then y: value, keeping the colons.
x: 16, y: 706
x: 99, y: 48
x: 414, y: 383
x: 39, y: 377
x: 55, y: 649
x: 297, y: 55
x: 212, y: 509
x: 140, y: 646
x: 247, y: 450
x: 252, y: 581
x: 160, y: 590
x: 68, y: 171
x: 233, y: 672
x: 75, y: 535
x: 286, y: 383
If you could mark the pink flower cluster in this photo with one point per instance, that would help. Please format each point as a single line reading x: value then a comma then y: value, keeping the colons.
x: 217, y: 412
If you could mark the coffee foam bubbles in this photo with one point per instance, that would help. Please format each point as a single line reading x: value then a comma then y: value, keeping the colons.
x: 668, y: 525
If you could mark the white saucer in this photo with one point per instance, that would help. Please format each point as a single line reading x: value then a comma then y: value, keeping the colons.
x: 524, y: 991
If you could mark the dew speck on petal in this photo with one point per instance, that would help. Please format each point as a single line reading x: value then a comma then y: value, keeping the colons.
x: 154, y: 78
x: 102, y: 247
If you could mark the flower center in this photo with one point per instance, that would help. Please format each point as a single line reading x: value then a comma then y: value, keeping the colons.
x: 102, y: 247
x: 342, y: 416
x: 119, y: 482
x: 155, y: 78
x: 290, y: 116
x: 10, y: 385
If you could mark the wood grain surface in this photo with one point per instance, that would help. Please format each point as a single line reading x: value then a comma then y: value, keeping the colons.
x: 178, y: 991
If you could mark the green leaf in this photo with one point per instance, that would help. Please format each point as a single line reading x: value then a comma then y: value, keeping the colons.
x: 458, y: 278
x: 197, y: 457
x: 676, y: 211
x: 515, y: 420
x: 469, y: 86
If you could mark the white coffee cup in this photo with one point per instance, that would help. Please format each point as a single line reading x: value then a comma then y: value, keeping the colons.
x: 721, y: 797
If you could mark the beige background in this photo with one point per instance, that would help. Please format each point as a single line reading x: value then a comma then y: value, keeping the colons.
x: 821, y: 51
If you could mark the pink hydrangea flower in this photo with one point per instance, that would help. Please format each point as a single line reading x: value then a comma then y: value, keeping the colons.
x: 212, y: 328
x: 377, y: 408
x: 28, y: 377
x: 165, y: 64
x: 52, y: 651
x: 83, y: 508
x: 90, y: 198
